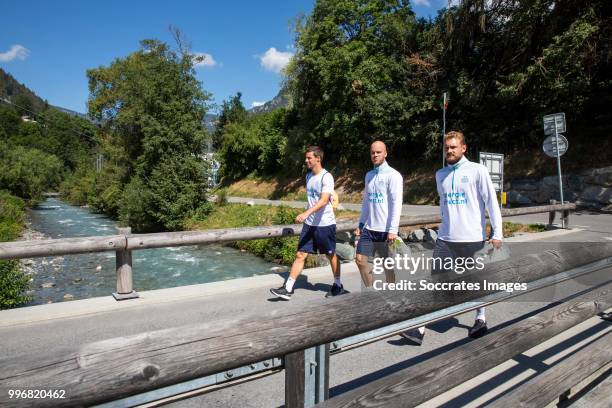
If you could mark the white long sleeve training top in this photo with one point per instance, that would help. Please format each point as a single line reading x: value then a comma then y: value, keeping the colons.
x: 465, y: 190
x: 382, y: 199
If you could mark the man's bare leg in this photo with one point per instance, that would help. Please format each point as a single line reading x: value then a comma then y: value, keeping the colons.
x: 364, y: 270
x: 334, y: 262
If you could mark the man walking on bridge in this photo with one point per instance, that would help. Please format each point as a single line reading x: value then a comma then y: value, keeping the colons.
x: 319, y: 230
x: 380, y: 212
x: 466, y: 190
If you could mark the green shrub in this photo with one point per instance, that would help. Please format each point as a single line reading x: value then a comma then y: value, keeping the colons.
x: 13, y: 282
x: 134, y: 205
x: 27, y: 173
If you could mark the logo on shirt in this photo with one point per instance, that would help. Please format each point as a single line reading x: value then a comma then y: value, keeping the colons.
x: 313, y: 193
x: 377, y: 198
x: 456, y: 198
x: 465, y: 179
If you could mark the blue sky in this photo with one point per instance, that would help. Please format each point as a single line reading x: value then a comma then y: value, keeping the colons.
x: 49, y: 45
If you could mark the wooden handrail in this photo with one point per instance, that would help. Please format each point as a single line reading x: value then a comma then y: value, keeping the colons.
x: 423, y: 381
x: 65, y: 246
x: 156, y: 359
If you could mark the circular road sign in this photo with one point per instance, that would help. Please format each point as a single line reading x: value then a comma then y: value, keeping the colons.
x: 550, y: 146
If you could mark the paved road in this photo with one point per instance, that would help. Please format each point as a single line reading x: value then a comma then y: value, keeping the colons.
x: 230, y: 299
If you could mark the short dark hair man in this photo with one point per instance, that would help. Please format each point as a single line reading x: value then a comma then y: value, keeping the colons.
x: 319, y: 230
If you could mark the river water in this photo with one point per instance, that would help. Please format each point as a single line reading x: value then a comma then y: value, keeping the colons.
x: 89, y: 275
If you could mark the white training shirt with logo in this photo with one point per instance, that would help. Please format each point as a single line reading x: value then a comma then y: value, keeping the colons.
x: 382, y: 199
x: 316, y: 184
x: 465, y: 190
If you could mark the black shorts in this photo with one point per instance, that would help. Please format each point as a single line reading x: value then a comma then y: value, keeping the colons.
x: 321, y: 239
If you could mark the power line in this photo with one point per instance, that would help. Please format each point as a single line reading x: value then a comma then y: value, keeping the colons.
x: 44, y: 119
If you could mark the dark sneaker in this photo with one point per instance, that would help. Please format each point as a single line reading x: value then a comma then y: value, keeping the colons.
x: 282, y: 293
x: 479, y: 329
x: 336, y: 290
x: 415, y: 336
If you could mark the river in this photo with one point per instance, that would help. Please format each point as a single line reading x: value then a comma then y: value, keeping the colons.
x: 89, y: 275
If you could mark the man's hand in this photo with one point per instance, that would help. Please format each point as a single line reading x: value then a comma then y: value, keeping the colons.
x: 301, y: 217
x: 357, y: 232
x: 497, y: 244
x: 391, y: 237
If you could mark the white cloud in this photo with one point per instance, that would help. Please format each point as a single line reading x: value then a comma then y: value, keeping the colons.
x: 16, y: 52
x: 422, y: 3
x: 256, y: 104
x: 208, y: 61
x: 274, y: 60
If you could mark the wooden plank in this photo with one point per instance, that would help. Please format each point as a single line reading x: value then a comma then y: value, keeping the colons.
x: 421, y: 382
x: 600, y: 396
x: 120, y: 367
x: 65, y: 246
x: 295, y: 371
x: 549, y: 385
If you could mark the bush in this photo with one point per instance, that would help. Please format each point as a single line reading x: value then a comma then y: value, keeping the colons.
x: 27, y: 173
x: 134, y: 205
x: 13, y: 282
x: 255, y: 145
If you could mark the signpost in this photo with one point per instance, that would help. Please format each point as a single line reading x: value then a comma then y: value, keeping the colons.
x: 555, y: 145
x: 444, y: 107
x: 494, y: 162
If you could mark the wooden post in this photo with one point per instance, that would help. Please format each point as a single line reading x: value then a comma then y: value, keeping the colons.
x: 565, y: 218
x: 551, y: 215
x: 124, y: 271
x: 295, y: 370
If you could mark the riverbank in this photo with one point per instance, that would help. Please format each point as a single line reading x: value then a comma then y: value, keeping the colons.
x: 14, y: 283
x: 82, y: 276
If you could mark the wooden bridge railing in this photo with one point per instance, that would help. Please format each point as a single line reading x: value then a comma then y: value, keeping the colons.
x: 124, y: 244
x: 112, y: 369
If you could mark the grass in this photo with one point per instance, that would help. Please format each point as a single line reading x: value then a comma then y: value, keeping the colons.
x: 511, y: 228
x: 278, y: 250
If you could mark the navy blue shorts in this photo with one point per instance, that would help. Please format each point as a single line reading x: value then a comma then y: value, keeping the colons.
x: 373, y: 242
x: 321, y: 239
x: 453, y: 250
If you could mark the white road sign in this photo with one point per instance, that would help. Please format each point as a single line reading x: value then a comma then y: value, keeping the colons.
x: 555, y: 120
x: 550, y: 146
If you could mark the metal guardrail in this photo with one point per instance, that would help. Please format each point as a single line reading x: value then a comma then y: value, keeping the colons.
x: 126, y: 242
x: 316, y: 359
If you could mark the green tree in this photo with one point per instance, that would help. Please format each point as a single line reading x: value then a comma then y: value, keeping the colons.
x: 256, y: 144
x: 153, y: 107
x: 232, y: 111
x: 27, y: 173
x: 9, y: 121
x: 358, y: 76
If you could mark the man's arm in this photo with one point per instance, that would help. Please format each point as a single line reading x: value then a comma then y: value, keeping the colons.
x: 489, y: 195
x: 323, y: 201
x: 365, y: 208
x: 395, y: 193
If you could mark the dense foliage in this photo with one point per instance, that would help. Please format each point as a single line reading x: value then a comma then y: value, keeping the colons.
x: 36, y: 155
x: 152, y: 108
x: 368, y: 69
x: 13, y: 283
